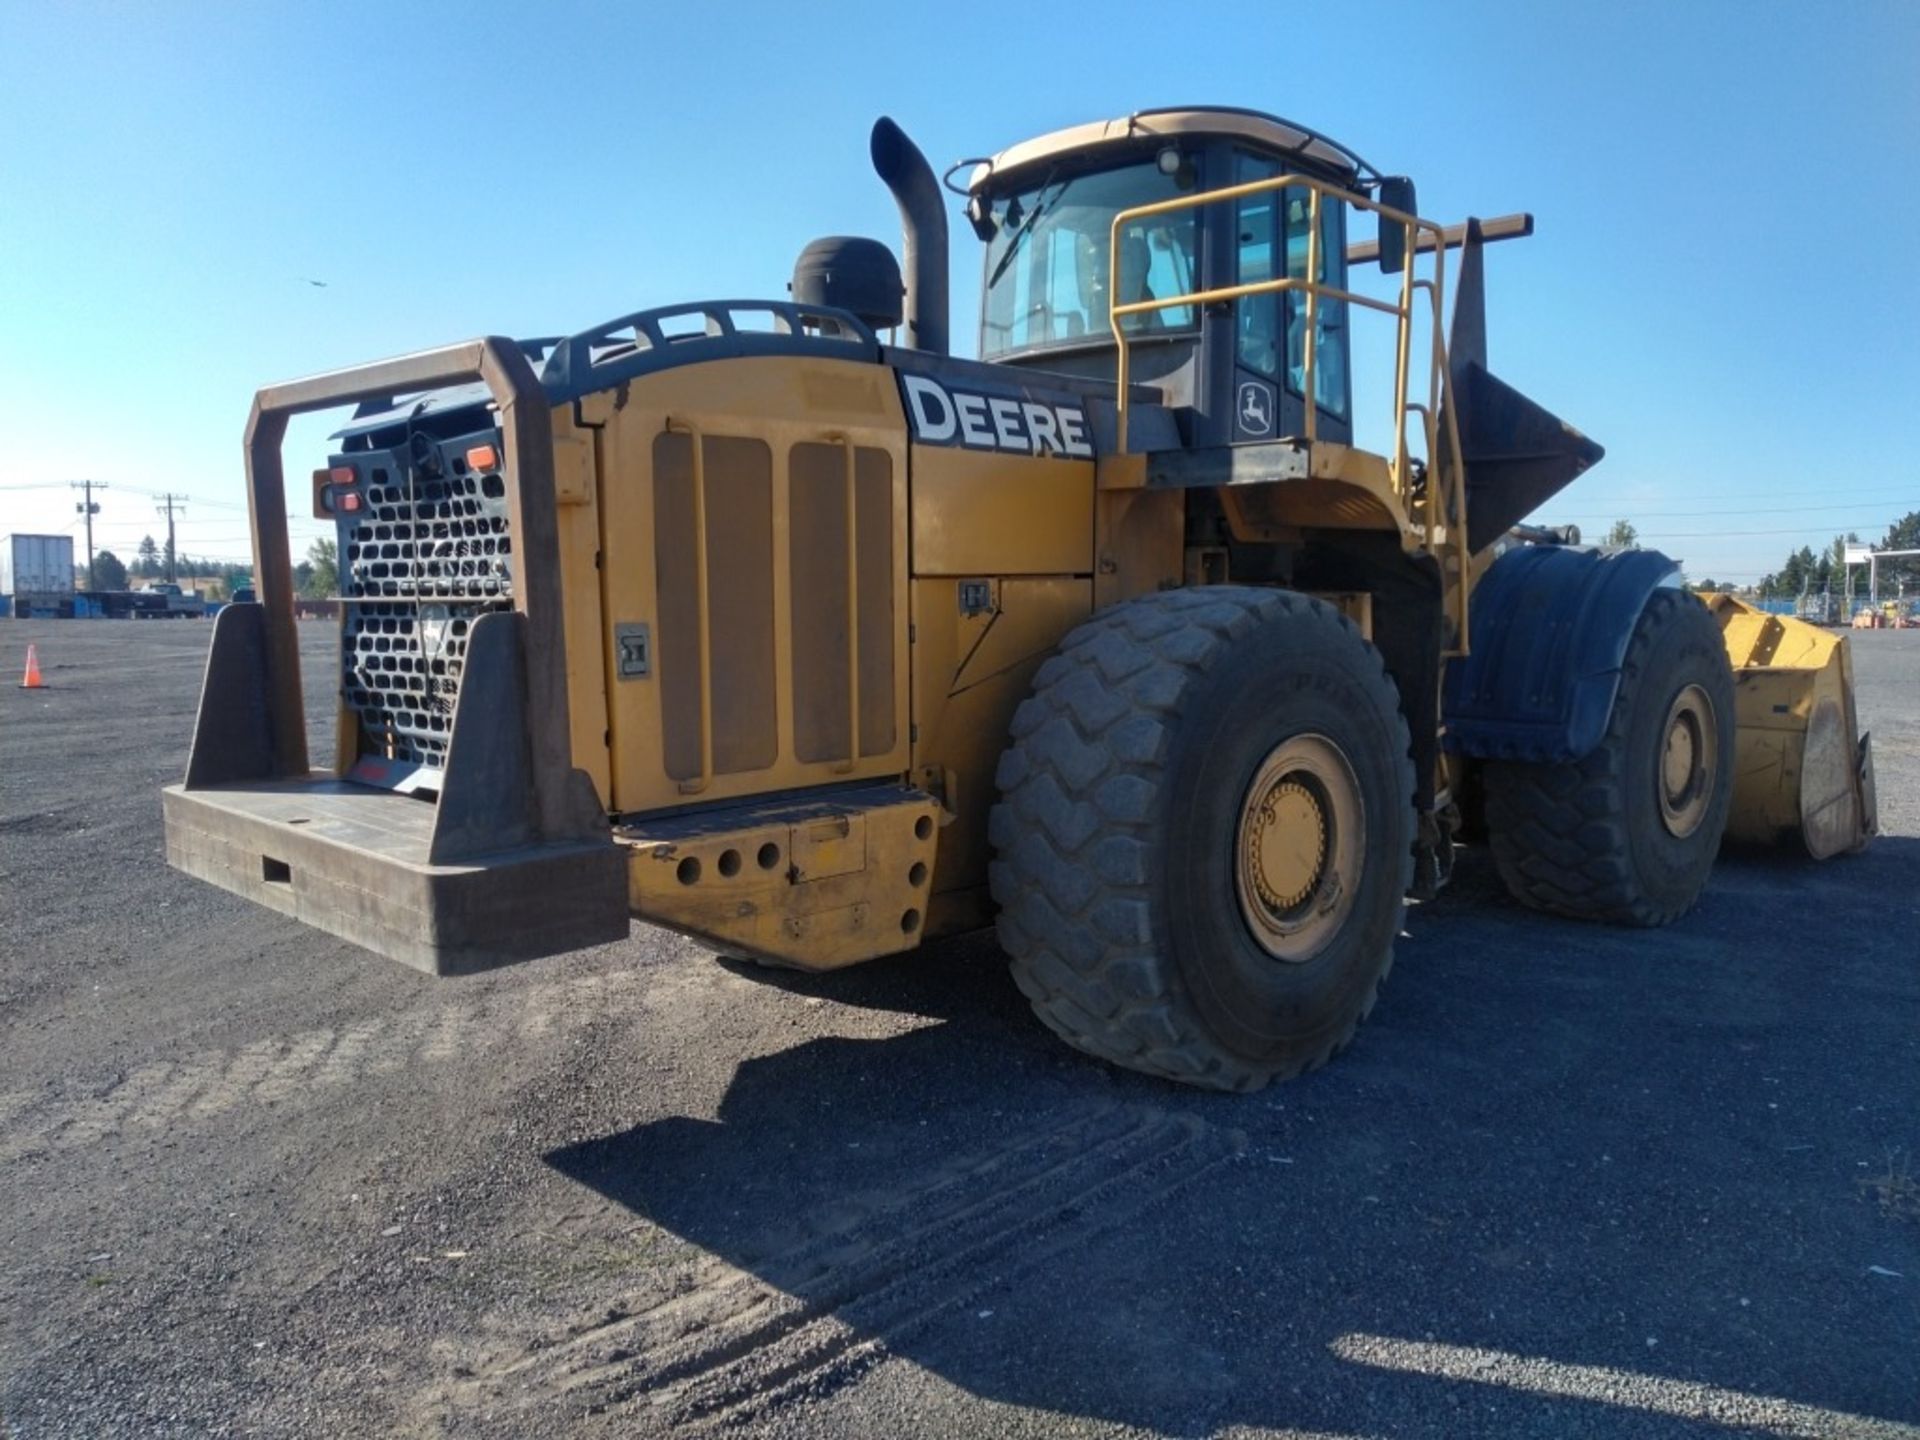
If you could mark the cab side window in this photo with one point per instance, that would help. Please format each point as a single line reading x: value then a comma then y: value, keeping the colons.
x: 1257, y: 317
x: 1330, y: 348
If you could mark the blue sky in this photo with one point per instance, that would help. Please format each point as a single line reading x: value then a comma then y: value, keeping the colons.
x: 1721, y: 289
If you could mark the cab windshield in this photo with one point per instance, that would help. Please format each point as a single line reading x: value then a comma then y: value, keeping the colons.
x: 1046, y: 277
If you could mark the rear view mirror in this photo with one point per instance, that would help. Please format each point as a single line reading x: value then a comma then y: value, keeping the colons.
x: 1396, y: 193
x: 980, y: 216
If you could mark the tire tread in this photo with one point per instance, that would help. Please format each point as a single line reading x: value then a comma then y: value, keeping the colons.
x: 1560, y: 832
x: 1076, y: 831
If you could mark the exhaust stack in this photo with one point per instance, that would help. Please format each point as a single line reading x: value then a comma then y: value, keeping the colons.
x: 923, y: 228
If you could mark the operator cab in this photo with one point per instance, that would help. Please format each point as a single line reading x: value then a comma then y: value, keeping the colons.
x: 1234, y: 370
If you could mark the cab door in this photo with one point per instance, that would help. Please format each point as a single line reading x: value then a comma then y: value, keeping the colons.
x: 1269, y: 370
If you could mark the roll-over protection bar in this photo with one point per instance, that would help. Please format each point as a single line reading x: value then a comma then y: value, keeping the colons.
x: 503, y: 367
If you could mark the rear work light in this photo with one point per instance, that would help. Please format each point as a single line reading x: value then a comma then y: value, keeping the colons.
x: 483, y: 457
x: 334, y: 491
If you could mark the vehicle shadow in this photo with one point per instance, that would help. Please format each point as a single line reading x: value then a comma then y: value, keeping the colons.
x: 1566, y: 1177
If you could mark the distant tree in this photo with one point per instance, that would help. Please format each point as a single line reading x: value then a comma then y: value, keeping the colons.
x: 1709, y: 585
x: 1835, y: 559
x: 1903, y: 534
x: 1807, y: 573
x: 303, y: 578
x: 108, y: 572
x: 148, y: 565
x: 323, y: 572
x: 1797, y: 575
x: 1623, y: 536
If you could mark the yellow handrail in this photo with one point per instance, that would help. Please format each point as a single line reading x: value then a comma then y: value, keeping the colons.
x: 1435, y: 510
x: 1313, y: 289
x: 1307, y: 391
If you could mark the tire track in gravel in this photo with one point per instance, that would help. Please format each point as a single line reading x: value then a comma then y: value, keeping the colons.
x: 282, y: 1069
x: 727, y: 1345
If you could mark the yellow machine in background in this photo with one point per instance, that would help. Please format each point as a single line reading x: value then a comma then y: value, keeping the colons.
x: 1799, y: 772
x: 735, y: 618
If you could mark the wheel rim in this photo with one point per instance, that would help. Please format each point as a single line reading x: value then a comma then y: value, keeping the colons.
x: 1689, y: 761
x: 1302, y: 832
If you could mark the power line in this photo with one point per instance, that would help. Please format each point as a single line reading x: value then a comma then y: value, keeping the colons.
x: 1714, y: 534
x: 1892, y: 491
x: 129, y: 490
x: 1704, y: 514
x: 197, y: 499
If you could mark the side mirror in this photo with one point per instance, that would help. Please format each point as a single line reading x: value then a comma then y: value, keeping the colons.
x: 981, y: 218
x: 1396, y: 193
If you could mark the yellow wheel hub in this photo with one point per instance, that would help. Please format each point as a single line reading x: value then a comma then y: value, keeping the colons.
x: 1299, y: 847
x: 1689, y: 761
x: 1289, y: 837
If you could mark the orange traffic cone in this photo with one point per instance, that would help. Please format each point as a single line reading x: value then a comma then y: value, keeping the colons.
x: 33, y: 680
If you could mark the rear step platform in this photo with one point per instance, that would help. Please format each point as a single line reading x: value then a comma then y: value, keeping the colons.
x: 352, y: 861
x: 510, y: 861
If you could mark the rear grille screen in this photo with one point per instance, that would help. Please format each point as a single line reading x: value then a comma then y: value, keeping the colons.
x: 427, y: 555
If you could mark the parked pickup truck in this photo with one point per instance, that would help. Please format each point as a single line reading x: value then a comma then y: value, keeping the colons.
x: 178, y: 602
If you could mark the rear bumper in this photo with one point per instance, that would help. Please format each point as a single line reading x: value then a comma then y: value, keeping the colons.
x: 351, y: 861
x: 813, y: 881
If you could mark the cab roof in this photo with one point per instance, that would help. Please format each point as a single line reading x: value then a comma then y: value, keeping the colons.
x: 1265, y: 131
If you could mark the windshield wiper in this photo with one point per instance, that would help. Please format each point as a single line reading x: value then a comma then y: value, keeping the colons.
x: 1041, y: 205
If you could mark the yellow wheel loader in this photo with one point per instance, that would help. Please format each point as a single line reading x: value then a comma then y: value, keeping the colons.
x: 1167, y: 635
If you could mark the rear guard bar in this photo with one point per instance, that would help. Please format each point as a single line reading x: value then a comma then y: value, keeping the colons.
x: 514, y: 858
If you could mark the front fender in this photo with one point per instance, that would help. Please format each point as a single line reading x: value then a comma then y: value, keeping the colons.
x: 1550, y: 629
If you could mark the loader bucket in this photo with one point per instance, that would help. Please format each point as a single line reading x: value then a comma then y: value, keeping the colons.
x: 1801, y: 769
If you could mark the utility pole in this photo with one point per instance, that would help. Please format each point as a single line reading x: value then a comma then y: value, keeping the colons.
x: 88, y: 508
x: 168, y: 504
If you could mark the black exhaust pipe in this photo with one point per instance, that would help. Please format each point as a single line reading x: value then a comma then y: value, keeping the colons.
x: 923, y: 229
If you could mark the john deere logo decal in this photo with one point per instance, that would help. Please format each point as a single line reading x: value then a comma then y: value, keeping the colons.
x: 1021, y: 423
x: 1256, y: 409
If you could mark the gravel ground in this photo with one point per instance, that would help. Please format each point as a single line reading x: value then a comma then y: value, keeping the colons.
x: 1569, y: 1181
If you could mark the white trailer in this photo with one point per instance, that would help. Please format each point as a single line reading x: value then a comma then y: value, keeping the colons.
x: 36, y: 575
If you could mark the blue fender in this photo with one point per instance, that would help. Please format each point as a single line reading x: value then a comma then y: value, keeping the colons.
x: 1550, y: 628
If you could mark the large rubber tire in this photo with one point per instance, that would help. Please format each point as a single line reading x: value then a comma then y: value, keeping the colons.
x: 1116, y: 846
x: 1586, y: 838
